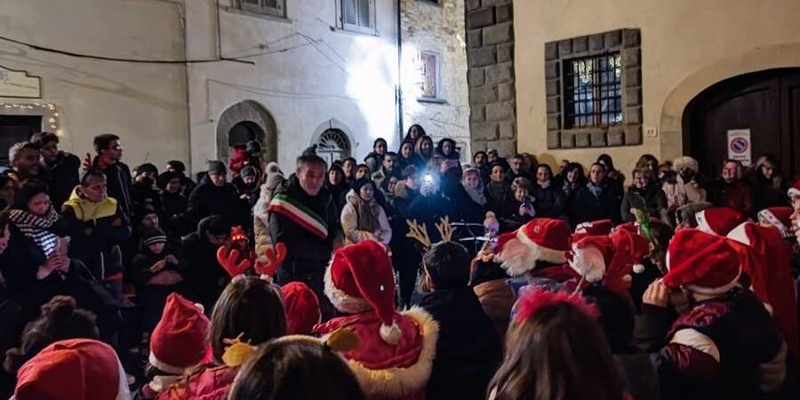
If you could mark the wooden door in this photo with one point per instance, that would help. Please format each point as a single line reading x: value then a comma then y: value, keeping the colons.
x: 15, y: 129
x: 767, y: 103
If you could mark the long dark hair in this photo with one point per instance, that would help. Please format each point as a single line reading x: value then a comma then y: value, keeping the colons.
x: 27, y: 191
x: 248, y: 306
x: 557, y: 353
x: 296, y: 367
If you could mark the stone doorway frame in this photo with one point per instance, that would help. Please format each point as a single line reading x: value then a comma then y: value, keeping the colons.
x: 247, y: 111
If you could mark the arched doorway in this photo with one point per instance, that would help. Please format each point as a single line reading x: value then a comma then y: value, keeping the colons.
x: 333, y: 145
x: 767, y: 103
x: 243, y: 122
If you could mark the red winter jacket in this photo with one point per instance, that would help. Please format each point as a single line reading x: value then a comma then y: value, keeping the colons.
x: 212, y: 383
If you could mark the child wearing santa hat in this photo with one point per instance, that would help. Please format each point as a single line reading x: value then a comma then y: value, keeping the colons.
x: 250, y: 310
x: 302, y: 308
x: 75, y: 369
x: 394, y: 357
x: 725, y: 345
x: 178, y: 343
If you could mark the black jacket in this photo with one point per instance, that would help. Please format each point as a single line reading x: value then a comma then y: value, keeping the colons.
x: 203, y: 274
x: 119, y: 181
x: 550, y: 201
x: 97, y: 243
x: 142, y: 195
x: 174, y: 213
x: 468, y: 349
x: 140, y: 267
x: 429, y: 210
x: 306, y: 252
x: 208, y: 199
x: 588, y: 207
x: 62, y: 177
x: 651, y: 199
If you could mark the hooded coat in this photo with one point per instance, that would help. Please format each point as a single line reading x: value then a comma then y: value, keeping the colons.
x: 363, y: 220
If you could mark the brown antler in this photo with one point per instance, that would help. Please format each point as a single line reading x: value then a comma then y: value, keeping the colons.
x: 274, y: 260
x: 418, y: 232
x: 445, y: 229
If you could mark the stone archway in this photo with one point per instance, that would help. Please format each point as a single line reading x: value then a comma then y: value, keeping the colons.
x: 247, y: 120
x: 334, y: 141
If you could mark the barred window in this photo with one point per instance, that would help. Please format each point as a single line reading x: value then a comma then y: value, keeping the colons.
x: 593, y: 91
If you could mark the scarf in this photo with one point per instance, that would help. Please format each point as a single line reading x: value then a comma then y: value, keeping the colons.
x: 37, y: 228
x: 596, y: 190
x: 367, y: 217
x: 476, y: 194
x: 299, y: 214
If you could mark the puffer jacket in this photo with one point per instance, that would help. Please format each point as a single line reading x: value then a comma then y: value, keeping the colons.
x: 263, y: 239
x: 354, y: 232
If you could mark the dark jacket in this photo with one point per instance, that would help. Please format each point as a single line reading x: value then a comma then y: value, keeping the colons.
x: 588, y: 207
x: 306, y: 252
x: 550, y: 201
x: 143, y: 195
x: 119, y: 181
x: 174, y: 208
x: 468, y: 349
x: 429, y: 210
x: 203, y: 274
x: 651, y: 199
x: 208, y: 199
x: 96, y: 240
x: 62, y: 177
x: 500, y: 200
x: 140, y: 267
x: 736, y: 195
x: 767, y: 193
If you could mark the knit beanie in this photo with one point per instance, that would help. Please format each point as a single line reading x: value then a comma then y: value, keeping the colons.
x: 216, y: 167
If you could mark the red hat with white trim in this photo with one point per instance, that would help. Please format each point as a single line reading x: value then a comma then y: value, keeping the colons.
x: 595, y: 228
x: 542, y: 239
x: 590, y: 256
x: 704, y: 263
x: 302, y: 308
x: 778, y: 217
x: 718, y: 220
x: 360, y: 278
x: 74, y: 369
x: 179, y: 340
x: 795, y: 189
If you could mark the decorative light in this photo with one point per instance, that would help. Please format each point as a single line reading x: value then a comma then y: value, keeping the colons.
x: 47, y: 108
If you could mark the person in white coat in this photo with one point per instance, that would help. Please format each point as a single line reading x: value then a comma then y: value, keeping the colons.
x: 362, y: 217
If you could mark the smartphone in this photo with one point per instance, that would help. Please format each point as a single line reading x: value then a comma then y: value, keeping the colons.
x: 526, y: 202
x: 62, y: 245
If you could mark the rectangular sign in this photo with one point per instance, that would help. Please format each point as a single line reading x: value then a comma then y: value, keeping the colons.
x: 740, y: 146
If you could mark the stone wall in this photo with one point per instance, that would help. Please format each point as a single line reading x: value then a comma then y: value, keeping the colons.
x: 490, y: 58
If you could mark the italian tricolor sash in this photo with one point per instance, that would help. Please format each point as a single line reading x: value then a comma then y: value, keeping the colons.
x: 300, y: 214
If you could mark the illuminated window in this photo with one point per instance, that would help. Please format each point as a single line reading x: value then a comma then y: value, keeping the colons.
x: 593, y: 91
x: 357, y: 15
x: 429, y: 76
x: 276, y: 8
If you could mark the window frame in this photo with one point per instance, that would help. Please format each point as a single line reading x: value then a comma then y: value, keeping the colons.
x: 571, y: 117
x: 437, y: 87
x: 279, y: 11
x: 341, y: 24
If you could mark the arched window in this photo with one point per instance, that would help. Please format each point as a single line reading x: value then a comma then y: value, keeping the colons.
x: 333, y: 145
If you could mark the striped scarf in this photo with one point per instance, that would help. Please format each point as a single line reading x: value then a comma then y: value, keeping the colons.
x: 37, y: 228
x: 299, y: 214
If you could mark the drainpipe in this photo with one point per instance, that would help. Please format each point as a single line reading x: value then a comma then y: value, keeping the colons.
x: 399, y: 88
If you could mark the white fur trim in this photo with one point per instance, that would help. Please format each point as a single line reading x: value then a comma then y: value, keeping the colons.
x: 768, y: 217
x: 170, y: 369
x: 391, y: 333
x: 696, y: 340
x: 544, y: 254
x: 123, y: 392
x: 739, y: 234
x: 588, y: 262
x: 793, y: 192
x: 638, y: 268
x: 162, y: 382
x: 341, y: 300
x: 716, y: 290
x: 401, y: 382
x: 702, y: 223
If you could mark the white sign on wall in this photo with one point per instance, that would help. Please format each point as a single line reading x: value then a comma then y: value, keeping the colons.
x: 740, y: 146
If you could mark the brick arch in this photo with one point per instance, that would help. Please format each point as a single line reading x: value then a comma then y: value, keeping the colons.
x: 254, y: 116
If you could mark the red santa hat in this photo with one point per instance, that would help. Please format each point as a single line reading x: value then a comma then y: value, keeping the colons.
x: 633, y: 247
x: 73, y: 369
x: 360, y: 278
x: 542, y: 239
x: 718, y: 220
x: 765, y: 258
x: 302, y: 308
x: 704, y: 263
x: 179, y: 340
x: 595, y: 228
x: 779, y: 217
x: 795, y: 189
x: 590, y: 256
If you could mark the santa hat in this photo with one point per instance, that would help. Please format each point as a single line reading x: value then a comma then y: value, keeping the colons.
x: 73, y: 369
x: 360, y: 278
x: 179, y: 341
x: 765, y: 258
x: 590, y: 256
x: 703, y: 263
x: 542, y: 239
x: 633, y: 246
x: 595, y: 228
x: 718, y: 220
x: 779, y: 217
x: 795, y: 189
x: 302, y: 308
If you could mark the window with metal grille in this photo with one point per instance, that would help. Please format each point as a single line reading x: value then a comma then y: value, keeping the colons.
x: 333, y: 145
x: 357, y: 15
x: 593, y: 91
x: 276, y: 8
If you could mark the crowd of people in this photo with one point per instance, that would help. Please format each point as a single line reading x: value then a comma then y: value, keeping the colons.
x: 410, y: 275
